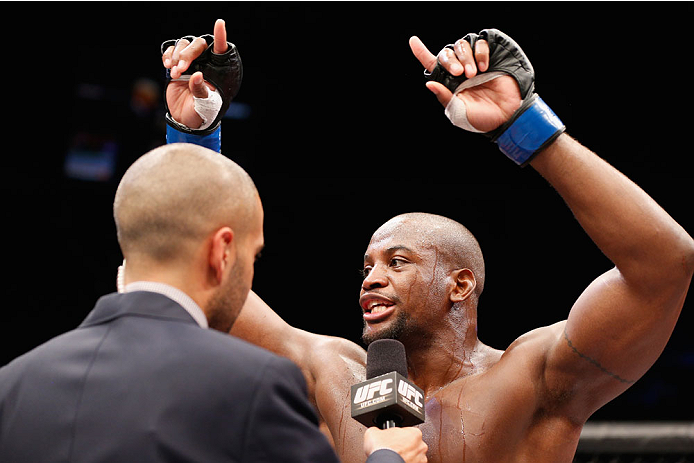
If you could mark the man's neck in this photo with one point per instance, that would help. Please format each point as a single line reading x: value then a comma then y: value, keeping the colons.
x: 182, y: 280
x: 449, y: 355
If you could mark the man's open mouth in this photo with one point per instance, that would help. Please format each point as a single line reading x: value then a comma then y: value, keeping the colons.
x: 376, y: 308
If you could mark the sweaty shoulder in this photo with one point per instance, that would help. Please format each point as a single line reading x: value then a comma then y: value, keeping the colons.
x: 527, y: 357
x: 338, y: 358
x: 536, y: 342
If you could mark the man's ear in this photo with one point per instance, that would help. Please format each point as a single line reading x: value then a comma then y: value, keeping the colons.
x: 222, y: 252
x: 464, y: 284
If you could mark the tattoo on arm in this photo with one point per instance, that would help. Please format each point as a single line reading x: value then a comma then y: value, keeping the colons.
x: 595, y: 362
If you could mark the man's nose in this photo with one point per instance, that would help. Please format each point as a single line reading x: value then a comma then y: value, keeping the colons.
x: 376, y: 278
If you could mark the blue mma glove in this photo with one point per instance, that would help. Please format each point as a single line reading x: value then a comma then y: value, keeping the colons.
x: 225, y: 72
x: 533, y: 126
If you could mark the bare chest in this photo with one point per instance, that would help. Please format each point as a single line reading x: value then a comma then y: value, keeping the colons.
x: 476, y: 423
x: 467, y: 424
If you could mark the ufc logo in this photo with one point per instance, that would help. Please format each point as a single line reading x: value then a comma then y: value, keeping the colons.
x: 367, y: 392
x: 406, y: 390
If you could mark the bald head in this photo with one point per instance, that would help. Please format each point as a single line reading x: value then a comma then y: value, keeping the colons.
x: 455, y: 245
x: 174, y: 196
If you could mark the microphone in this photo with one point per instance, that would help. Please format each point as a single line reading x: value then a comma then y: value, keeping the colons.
x: 387, y: 398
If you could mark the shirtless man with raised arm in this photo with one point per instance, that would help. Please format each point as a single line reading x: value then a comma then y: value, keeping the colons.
x: 423, y: 275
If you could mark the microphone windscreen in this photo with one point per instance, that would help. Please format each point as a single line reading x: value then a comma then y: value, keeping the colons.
x: 385, y: 356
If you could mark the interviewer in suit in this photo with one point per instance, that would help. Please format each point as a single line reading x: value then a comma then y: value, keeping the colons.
x: 142, y: 379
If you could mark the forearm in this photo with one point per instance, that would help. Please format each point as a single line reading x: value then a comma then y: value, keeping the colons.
x: 630, y: 228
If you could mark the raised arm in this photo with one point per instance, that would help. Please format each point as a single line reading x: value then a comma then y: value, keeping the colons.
x: 258, y: 323
x: 329, y: 365
x: 619, y: 326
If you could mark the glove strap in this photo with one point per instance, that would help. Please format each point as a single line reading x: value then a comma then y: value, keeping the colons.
x: 532, y: 128
x: 211, y: 140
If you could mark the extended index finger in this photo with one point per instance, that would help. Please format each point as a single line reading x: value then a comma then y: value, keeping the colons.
x: 422, y: 53
x: 220, y: 37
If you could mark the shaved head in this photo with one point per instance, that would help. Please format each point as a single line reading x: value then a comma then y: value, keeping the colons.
x: 174, y: 196
x: 455, y: 245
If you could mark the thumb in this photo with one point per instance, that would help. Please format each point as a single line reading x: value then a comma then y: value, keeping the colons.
x: 440, y: 91
x: 197, y: 85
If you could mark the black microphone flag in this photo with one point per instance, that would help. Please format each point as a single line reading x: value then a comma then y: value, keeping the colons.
x: 387, y: 398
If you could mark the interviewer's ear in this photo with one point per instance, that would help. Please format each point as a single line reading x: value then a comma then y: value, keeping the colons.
x: 465, y: 284
x: 222, y: 252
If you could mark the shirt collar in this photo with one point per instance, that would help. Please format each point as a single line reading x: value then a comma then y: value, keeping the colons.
x: 174, y: 294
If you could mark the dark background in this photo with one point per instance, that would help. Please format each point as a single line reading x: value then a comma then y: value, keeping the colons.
x: 340, y: 134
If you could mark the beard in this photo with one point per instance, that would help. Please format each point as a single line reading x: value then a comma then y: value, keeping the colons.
x: 397, y: 328
x: 226, y: 303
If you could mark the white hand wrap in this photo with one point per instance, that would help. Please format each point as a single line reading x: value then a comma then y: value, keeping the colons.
x: 120, y: 278
x: 456, y: 111
x: 207, y: 108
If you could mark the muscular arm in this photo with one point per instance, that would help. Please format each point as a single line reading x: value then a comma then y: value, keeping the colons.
x: 318, y: 356
x: 259, y: 324
x: 330, y: 365
x: 620, y: 324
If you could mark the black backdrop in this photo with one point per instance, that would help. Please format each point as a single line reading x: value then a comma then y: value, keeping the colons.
x: 340, y: 134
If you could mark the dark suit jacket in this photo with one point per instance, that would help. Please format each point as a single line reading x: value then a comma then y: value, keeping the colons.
x: 140, y: 381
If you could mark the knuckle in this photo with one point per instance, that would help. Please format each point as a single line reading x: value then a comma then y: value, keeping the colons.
x: 199, y: 42
x: 462, y: 45
x: 462, y: 51
x: 443, y: 55
x: 194, y: 49
x: 481, y: 47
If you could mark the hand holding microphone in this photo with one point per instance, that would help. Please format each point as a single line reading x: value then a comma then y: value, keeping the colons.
x: 407, y: 442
